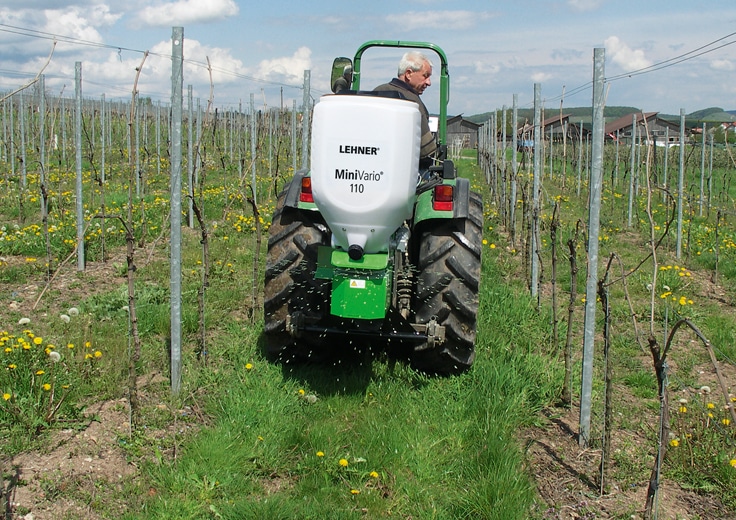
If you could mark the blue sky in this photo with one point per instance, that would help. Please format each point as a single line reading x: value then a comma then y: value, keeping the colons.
x: 495, y: 49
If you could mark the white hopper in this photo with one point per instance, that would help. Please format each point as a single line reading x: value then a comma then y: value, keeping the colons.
x: 365, y: 159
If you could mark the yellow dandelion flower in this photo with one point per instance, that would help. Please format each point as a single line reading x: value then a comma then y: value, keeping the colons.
x: 732, y: 462
x: 46, y: 387
x: 343, y: 463
x: 726, y: 422
x: 88, y: 356
x: 249, y: 366
x: 485, y: 241
x: 38, y: 340
x: 320, y: 453
x: 301, y: 391
x: 70, y: 346
x: 373, y: 474
x: 12, y: 366
x: 711, y: 406
x: 98, y: 354
x: 493, y: 246
x: 87, y: 344
x: 355, y: 491
x: 683, y: 409
x: 6, y: 396
x: 40, y: 372
x: 675, y: 443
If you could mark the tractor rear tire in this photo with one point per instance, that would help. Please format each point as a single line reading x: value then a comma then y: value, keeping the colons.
x: 290, y: 286
x: 449, y: 265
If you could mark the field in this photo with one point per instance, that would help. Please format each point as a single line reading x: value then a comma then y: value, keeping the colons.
x: 91, y: 429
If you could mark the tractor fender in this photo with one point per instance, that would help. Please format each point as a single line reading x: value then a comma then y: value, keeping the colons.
x: 294, y: 188
x: 460, y: 208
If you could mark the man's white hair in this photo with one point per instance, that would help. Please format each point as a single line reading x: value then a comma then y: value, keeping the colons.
x: 412, y: 60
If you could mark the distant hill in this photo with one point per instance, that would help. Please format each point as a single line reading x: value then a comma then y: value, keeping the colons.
x: 577, y: 114
x: 706, y: 115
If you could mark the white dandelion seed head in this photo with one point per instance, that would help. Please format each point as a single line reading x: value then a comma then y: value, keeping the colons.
x: 65, y: 318
x: 73, y: 311
x: 705, y: 389
x: 24, y: 321
x: 54, y: 356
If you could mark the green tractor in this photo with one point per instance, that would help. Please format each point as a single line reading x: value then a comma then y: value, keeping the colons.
x: 363, y: 250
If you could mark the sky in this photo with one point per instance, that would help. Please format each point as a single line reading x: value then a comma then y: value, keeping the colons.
x: 660, y: 56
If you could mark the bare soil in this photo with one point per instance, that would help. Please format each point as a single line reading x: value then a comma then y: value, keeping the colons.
x: 568, y: 479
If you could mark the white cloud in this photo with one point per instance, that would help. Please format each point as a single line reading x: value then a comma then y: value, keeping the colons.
x: 567, y: 55
x: 289, y: 69
x: 541, y: 77
x: 726, y: 65
x: 485, y: 68
x: 184, y: 12
x: 80, y: 22
x: 584, y: 5
x: 624, y: 56
x: 446, y: 20
x: 36, y: 28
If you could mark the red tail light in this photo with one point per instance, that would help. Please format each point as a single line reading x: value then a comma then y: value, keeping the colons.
x: 442, y: 200
x: 306, y: 194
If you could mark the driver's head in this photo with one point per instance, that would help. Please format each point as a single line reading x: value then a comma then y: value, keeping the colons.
x: 415, y: 70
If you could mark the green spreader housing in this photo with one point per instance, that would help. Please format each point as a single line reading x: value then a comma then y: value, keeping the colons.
x: 360, y: 288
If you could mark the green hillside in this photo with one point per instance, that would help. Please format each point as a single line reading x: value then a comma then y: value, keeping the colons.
x: 577, y: 114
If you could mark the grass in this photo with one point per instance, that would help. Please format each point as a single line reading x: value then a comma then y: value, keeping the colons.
x: 414, y: 446
x: 270, y: 439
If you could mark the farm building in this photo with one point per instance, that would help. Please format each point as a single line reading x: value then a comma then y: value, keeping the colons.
x: 553, y: 129
x: 463, y: 131
x: 661, y: 130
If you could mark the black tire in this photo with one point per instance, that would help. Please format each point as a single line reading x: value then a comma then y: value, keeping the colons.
x: 449, y: 264
x: 290, y: 286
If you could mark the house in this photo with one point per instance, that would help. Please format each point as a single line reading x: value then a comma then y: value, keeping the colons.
x: 660, y: 130
x: 462, y: 131
x: 553, y: 129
